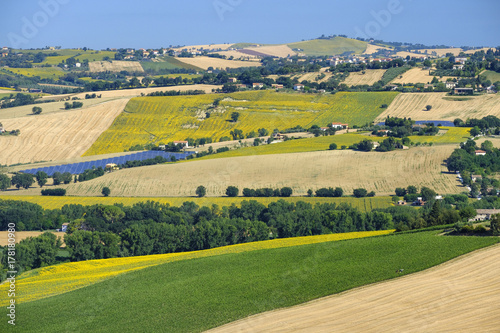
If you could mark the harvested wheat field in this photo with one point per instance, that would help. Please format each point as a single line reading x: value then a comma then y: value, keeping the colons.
x: 225, y: 46
x: 379, y: 172
x: 418, y: 75
x: 137, y: 92
x: 20, y: 235
x: 404, y: 54
x: 370, y: 77
x: 313, y: 77
x: 238, y: 55
x: 485, y: 49
x: 280, y: 51
x: 370, y: 48
x: 442, y: 52
x: 206, y: 62
x: 462, y: 295
x: 443, y: 107
x: 115, y: 66
x: 57, y: 136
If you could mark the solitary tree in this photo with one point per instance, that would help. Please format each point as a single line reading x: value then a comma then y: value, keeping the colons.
x: 428, y: 107
x: 106, y: 191
x: 235, y: 116
x: 36, y: 110
x: 360, y: 192
x: 201, y: 191
x: 333, y: 146
x: 41, y: 178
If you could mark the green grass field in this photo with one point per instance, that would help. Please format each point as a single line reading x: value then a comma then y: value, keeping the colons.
x: 492, y: 76
x: 177, y: 118
x: 297, y: 146
x: 78, y: 54
x: 363, y: 204
x: 329, y: 47
x: 42, y: 72
x: 166, y: 63
x: 198, y: 294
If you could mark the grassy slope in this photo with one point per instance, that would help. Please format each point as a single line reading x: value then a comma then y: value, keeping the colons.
x: 492, y: 76
x: 194, y: 295
x: 43, y: 72
x: 167, y: 63
x: 167, y: 117
x: 363, y: 204
x: 338, y: 45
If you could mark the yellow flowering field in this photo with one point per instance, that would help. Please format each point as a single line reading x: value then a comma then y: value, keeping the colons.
x: 166, y: 119
x: 47, y: 202
x: 59, y: 279
x: 452, y: 135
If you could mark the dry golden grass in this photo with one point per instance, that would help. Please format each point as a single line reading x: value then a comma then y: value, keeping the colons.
x: 404, y: 54
x: 370, y: 48
x: 281, y: 51
x: 115, y: 66
x: 137, y: 92
x: 418, y: 75
x: 20, y: 235
x: 412, y: 105
x: 238, y: 55
x: 370, y: 77
x: 483, y: 49
x: 312, y: 77
x: 441, y: 52
x: 462, y: 295
x: 57, y: 136
x: 206, y: 62
x: 379, y: 172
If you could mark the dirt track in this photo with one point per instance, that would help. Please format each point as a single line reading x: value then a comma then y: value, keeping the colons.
x: 462, y: 295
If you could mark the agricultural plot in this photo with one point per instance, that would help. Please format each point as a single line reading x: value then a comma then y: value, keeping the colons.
x: 329, y: 47
x: 418, y: 75
x: 166, y: 63
x: 412, y: 105
x: 280, y: 51
x: 492, y: 76
x: 42, y: 72
x: 303, y: 273
x: 363, y: 204
x: 206, y: 62
x: 57, y: 136
x: 312, y: 77
x: 165, y: 119
x: 39, y: 283
x: 448, y: 298
x: 371, y: 48
x: 20, y: 235
x: 369, y: 78
x: 379, y: 172
x: 453, y: 135
x: 115, y: 66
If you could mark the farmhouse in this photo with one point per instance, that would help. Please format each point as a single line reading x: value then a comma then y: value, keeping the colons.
x: 298, y: 87
x: 277, y: 86
x: 419, y: 202
x: 241, y: 86
x: 111, y: 167
x: 257, y: 85
x: 476, y: 177
x: 461, y: 60
x: 324, y: 129
x: 484, y: 214
x: 460, y: 67
x: 340, y: 126
x: 232, y: 80
x: 451, y: 85
x: 184, y: 144
x: 2, y: 130
x: 464, y: 91
x: 480, y: 153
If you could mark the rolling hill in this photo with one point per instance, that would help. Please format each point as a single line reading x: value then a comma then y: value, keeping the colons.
x: 329, y: 47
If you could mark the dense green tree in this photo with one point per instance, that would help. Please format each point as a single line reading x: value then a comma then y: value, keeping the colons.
x: 400, y: 192
x: 41, y: 178
x: 232, y: 191
x: 360, y: 192
x: 201, y: 191
x: 66, y: 177
x: 4, y: 182
x: 235, y: 116
x: 263, y: 132
x: 286, y: 192
x: 427, y: 194
x: 333, y: 146
x: 57, y: 178
x: 495, y: 224
x: 36, y: 110
x: 23, y: 180
x: 106, y: 191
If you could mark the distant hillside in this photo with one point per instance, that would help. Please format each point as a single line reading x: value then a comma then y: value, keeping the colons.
x: 337, y: 45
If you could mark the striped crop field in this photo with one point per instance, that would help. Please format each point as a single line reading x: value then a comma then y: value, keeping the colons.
x: 363, y: 204
x: 42, y: 72
x: 59, y: 279
x: 452, y: 135
x: 166, y: 119
x: 79, y: 55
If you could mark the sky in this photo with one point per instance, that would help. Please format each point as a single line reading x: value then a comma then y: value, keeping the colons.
x: 161, y: 23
